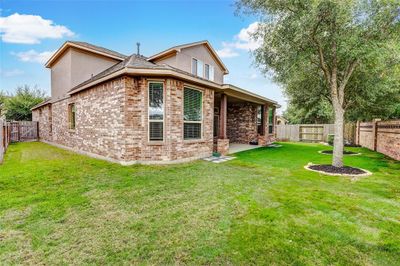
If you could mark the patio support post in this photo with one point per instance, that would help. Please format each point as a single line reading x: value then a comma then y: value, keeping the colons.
x: 223, y: 141
x: 222, y: 117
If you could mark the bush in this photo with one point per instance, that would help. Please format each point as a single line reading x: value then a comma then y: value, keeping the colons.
x: 331, y: 138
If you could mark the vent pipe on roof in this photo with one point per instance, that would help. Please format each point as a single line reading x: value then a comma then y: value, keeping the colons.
x: 138, y: 48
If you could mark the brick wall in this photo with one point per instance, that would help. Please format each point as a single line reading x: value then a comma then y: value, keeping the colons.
x: 112, y: 121
x: 44, y: 116
x: 242, y: 122
x: 174, y: 147
x: 382, y: 136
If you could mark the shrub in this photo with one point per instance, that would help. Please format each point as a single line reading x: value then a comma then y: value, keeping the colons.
x: 331, y: 137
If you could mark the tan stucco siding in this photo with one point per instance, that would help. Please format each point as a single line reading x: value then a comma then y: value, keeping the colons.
x: 85, y: 64
x: 74, y: 67
x: 61, y: 76
x: 200, y: 52
x: 183, y: 60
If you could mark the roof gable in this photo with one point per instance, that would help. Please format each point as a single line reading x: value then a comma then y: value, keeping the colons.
x: 86, y: 47
x: 178, y: 48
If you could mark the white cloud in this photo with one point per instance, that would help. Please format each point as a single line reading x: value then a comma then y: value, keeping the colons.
x: 227, y: 51
x: 30, y: 29
x: 245, y: 40
x: 33, y: 56
x: 253, y: 76
x: 241, y: 41
x: 7, y: 73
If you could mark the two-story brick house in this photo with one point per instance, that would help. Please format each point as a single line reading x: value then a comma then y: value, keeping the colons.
x: 170, y: 107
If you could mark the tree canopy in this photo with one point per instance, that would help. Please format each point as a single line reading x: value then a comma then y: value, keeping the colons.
x: 344, y: 52
x: 18, y: 106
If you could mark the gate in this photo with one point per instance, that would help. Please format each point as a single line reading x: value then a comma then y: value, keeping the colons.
x: 311, y: 133
x: 24, y: 131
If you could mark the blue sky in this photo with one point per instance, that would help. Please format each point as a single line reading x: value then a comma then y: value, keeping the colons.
x: 32, y: 30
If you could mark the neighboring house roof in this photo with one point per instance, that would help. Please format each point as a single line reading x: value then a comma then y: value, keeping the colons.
x: 178, y: 48
x: 87, y: 47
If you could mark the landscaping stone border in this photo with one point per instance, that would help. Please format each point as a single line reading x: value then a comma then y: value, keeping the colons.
x: 355, y: 154
x: 367, y: 173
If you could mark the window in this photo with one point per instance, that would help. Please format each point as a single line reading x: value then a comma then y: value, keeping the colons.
x: 197, y: 67
x: 200, y: 68
x: 192, y: 113
x: 207, y: 71
x: 194, y: 66
x: 270, y: 121
x: 72, y: 115
x: 156, y: 111
x: 260, y: 119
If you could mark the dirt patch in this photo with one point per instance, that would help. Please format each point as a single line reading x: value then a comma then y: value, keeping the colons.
x: 333, y: 170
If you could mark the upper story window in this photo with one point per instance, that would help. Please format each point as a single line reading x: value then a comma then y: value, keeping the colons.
x: 202, y: 70
x: 71, y: 116
x: 192, y: 113
x: 209, y: 72
x: 156, y: 111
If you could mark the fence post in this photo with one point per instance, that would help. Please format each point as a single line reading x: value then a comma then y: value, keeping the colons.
x: 375, y: 131
x: 37, y: 130
x: 357, y: 137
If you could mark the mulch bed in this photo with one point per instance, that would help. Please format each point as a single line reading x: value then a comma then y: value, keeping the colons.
x: 344, y: 152
x: 330, y: 169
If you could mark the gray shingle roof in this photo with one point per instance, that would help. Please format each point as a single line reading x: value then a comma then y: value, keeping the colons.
x: 99, y: 48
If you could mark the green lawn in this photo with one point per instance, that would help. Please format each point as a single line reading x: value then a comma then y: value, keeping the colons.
x: 58, y: 207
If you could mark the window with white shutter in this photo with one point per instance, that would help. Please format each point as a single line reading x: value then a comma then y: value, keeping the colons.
x: 192, y: 113
x: 156, y: 111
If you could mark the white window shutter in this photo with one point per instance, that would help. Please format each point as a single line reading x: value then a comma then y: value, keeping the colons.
x: 211, y: 73
x: 200, y: 67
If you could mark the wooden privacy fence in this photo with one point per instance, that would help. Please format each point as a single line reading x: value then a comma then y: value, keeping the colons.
x: 380, y: 136
x: 304, y: 132
x: 312, y: 132
x: 5, y: 138
x: 24, y: 131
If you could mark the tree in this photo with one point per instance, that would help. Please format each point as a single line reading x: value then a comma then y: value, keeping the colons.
x: 18, y: 106
x: 329, y: 42
x: 317, y: 113
x: 2, y: 100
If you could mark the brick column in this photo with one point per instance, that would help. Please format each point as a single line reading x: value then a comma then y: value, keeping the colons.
x: 223, y: 141
x: 263, y: 139
x: 222, y: 116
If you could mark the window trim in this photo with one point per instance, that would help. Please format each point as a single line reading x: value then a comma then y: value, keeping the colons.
x: 201, y: 122
x: 148, y: 111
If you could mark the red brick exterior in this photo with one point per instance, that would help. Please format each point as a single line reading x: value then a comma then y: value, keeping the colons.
x: 112, y: 121
x: 242, y: 122
x: 44, y: 116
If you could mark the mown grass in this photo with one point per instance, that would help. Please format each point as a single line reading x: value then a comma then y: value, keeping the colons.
x: 58, y: 207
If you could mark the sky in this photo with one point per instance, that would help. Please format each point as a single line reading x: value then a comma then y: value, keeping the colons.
x: 32, y: 30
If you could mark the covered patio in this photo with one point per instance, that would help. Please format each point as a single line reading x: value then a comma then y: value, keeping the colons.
x: 242, y: 120
x: 238, y: 147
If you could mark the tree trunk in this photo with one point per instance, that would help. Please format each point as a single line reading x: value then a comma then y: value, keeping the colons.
x: 337, y: 159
